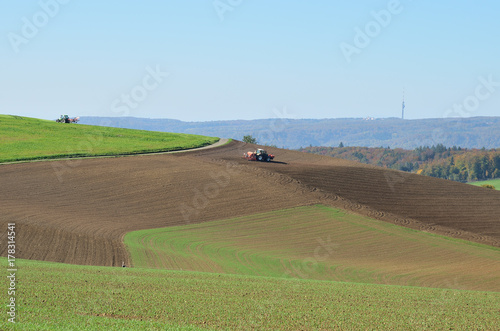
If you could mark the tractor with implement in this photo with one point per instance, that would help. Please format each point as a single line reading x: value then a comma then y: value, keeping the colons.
x: 259, y: 155
x: 67, y: 119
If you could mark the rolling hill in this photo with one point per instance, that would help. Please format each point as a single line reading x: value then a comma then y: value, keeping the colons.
x: 211, y: 210
x: 77, y: 211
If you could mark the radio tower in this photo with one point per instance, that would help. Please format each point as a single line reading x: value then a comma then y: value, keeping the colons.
x: 403, y: 106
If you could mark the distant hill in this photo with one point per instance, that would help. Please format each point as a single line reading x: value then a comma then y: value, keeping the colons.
x: 474, y: 132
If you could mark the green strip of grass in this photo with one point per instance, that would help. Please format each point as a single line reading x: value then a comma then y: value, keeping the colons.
x: 53, y: 296
x: 494, y: 182
x: 24, y: 139
x: 322, y: 243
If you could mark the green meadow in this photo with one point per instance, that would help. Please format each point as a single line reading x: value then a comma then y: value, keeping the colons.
x: 53, y: 296
x: 494, y: 182
x: 322, y: 243
x: 24, y: 139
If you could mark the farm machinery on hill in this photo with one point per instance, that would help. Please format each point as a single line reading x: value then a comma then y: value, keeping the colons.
x: 67, y: 119
x: 259, y: 155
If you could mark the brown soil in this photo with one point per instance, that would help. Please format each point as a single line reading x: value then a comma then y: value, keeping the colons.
x: 77, y: 211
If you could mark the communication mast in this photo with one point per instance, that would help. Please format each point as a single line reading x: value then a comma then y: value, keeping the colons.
x: 403, y: 106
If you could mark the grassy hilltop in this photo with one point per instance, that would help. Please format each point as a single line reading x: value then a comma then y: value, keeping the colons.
x: 24, y: 139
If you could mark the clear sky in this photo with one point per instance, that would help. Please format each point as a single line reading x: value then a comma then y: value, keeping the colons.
x: 205, y: 60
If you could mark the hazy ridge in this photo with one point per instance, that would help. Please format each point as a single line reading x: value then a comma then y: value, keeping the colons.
x: 473, y: 132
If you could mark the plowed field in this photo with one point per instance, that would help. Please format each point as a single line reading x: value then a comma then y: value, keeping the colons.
x: 425, y: 203
x: 78, y: 211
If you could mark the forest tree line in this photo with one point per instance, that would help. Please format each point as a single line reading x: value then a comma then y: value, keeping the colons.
x: 453, y: 163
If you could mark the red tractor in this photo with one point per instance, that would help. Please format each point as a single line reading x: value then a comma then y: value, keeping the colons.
x: 259, y: 155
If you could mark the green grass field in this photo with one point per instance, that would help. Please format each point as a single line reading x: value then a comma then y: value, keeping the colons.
x: 322, y: 243
x: 53, y: 296
x: 23, y: 138
x: 494, y: 182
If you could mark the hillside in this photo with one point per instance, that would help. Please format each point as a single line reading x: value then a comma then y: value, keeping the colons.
x: 24, y: 138
x: 321, y: 243
x: 295, y: 221
x: 473, y: 132
x: 83, y: 217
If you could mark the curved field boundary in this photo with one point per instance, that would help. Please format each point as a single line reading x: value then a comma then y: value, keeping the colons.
x: 318, y: 242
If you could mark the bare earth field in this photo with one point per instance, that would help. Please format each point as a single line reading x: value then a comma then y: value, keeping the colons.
x: 77, y: 211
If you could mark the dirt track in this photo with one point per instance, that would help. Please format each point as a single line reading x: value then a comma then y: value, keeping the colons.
x: 77, y: 211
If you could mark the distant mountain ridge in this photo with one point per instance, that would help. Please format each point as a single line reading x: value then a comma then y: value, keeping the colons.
x: 473, y: 132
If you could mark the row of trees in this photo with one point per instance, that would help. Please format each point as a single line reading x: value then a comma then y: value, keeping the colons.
x: 465, y: 167
x: 452, y: 163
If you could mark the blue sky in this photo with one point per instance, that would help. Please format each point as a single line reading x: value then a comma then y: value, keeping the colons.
x: 241, y: 59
